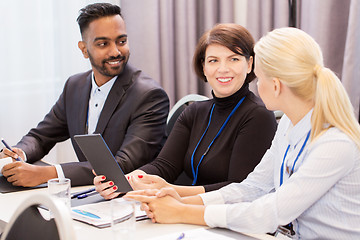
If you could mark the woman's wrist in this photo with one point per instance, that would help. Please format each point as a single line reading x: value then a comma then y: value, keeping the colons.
x: 191, y: 214
x: 183, y: 212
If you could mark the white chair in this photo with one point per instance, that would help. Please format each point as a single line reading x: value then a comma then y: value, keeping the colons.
x: 179, y: 106
x: 28, y: 223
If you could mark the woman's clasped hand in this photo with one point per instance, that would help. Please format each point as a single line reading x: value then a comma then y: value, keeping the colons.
x: 162, y: 206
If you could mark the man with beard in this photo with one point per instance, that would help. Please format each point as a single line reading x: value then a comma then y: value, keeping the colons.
x: 114, y: 99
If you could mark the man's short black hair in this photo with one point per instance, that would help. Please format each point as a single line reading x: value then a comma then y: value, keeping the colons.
x: 94, y: 11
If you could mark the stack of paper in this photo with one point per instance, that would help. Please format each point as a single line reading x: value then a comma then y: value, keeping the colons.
x: 196, y: 234
x: 3, y: 162
x: 98, y: 214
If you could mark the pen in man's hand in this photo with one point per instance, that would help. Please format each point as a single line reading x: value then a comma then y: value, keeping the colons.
x: 82, y: 192
x: 8, y: 147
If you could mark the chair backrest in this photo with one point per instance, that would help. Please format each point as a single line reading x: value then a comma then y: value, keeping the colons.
x: 278, y: 114
x: 177, y: 109
x: 28, y: 223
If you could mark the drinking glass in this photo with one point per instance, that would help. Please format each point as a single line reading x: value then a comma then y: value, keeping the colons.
x: 122, y: 218
x: 60, y: 188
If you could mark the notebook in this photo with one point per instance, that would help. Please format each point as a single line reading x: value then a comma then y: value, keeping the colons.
x: 98, y: 215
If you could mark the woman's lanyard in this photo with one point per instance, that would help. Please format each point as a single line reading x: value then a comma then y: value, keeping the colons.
x: 297, y: 157
x: 195, y: 173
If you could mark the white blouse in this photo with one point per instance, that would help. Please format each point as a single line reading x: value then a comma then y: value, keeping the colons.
x: 321, y: 198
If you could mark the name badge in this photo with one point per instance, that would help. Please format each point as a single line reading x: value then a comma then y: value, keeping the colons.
x: 284, y: 233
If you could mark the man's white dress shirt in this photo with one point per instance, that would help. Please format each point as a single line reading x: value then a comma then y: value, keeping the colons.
x: 97, y: 100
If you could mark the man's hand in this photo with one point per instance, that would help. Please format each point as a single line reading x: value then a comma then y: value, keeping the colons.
x: 27, y: 175
x: 8, y: 153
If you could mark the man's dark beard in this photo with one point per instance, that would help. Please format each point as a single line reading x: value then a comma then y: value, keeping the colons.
x: 102, y: 69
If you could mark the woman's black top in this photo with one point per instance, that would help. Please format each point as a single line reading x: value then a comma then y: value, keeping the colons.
x: 232, y: 156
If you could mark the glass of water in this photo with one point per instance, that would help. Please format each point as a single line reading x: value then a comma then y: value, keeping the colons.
x: 60, y: 188
x: 122, y: 219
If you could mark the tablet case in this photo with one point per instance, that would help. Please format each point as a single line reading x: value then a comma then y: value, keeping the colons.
x: 102, y: 160
x: 7, y: 187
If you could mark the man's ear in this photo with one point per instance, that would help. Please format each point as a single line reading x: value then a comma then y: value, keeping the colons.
x: 82, y: 47
x: 277, y: 86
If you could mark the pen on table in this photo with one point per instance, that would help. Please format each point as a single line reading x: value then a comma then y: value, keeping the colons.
x: 82, y: 192
x: 85, y: 195
x: 182, y: 236
x: 8, y: 147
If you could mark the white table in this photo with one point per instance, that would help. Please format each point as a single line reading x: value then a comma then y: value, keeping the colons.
x: 144, y: 229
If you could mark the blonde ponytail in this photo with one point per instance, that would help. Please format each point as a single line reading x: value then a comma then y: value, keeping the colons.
x: 294, y: 57
x: 332, y: 106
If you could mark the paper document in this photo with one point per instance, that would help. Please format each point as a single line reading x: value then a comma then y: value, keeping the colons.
x: 98, y: 214
x: 3, y: 162
x: 196, y: 234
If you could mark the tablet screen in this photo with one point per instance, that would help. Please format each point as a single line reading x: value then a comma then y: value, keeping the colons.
x: 102, y: 160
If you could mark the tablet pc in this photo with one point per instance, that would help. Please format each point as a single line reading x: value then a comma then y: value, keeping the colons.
x: 102, y: 160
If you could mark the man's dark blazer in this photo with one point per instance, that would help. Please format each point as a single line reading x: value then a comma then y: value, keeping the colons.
x: 132, y: 123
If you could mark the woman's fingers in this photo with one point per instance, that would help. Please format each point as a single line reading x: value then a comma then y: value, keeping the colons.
x: 146, y: 192
x: 144, y: 198
x: 168, y: 191
x: 106, y: 189
x: 100, y: 185
x: 148, y: 178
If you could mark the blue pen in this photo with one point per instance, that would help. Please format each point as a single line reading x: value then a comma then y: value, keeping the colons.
x: 82, y: 193
x: 8, y: 147
x: 182, y: 236
x: 85, y: 195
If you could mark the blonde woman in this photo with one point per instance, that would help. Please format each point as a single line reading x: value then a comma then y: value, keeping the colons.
x: 309, y: 179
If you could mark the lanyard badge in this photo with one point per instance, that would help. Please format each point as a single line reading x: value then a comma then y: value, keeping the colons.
x: 196, y: 172
x: 285, y: 232
x: 288, y: 230
x: 297, y: 157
